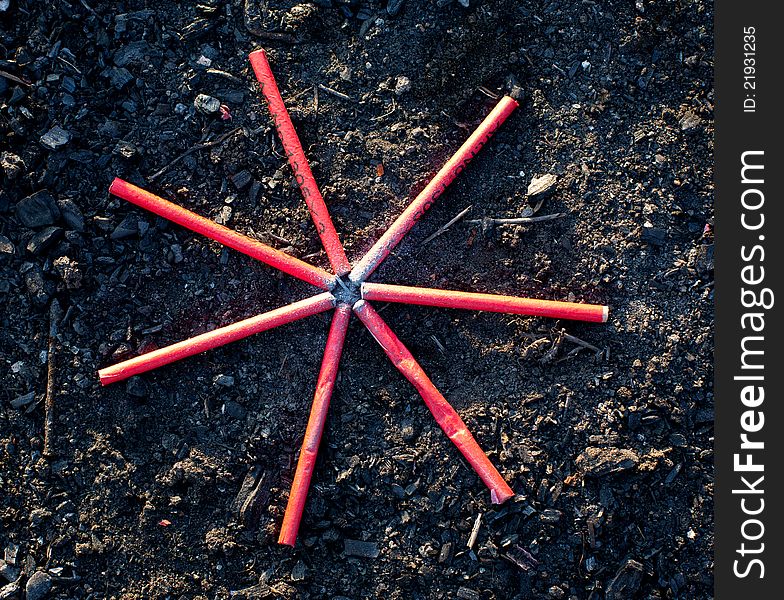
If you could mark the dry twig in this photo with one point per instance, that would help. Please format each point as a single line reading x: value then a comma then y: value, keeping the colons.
x: 575, y: 340
x: 14, y: 78
x: 192, y: 149
x: 336, y: 93
x: 491, y: 222
x: 449, y: 224
x: 273, y: 36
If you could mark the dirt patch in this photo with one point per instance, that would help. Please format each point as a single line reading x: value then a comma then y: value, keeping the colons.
x: 175, y: 485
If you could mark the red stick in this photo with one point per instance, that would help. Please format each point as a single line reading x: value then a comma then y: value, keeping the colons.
x: 433, y: 190
x: 318, y: 416
x: 182, y: 216
x: 299, y: 164
x: 446, y: 417
x: 217, y: 337
x: 489, y: 302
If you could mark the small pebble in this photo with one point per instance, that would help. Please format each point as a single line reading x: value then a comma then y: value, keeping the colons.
x: 407, y: 432
x: 689, y: 121
x: 38, y: 586
x: 11, y: 552
x: 207, y: 105
x: 11, y: 164
x: 598, y: 462
x: 550, y: 515
x: 69, y: 272
x: 124, y: 149
x: 224, y: 215
x: 8, y: 572
x: 9, y: 591
x: 556, y: 592
x: 541, y: 185
x: 402, y: 85
x: 6, y: 246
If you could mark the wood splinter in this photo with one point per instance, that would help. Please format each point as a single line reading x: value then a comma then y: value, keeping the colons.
x: 55, y: 314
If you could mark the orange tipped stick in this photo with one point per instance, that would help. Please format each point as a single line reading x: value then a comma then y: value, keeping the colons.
x: 392, y: 236
x: 595, y: 313
x: 255, y: 249
x: 299, y: 164
x: 446, y: 416
x: 318, y: 416
x: 216, y: 337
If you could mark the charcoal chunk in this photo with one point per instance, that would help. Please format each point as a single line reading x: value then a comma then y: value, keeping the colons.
x: 626, y: 582
x: 359, y: 548
x: 38, y: 210
x: 55, y: 138
x: 241, y: 179
x: 654, y: 236
x: 128, y: 227
x: 43, y: 240
x: 137, y: 387
x: 72, y: 216
x: 119, y: 77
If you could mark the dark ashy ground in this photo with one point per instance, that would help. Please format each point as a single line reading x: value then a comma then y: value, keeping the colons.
x: 608, y: 448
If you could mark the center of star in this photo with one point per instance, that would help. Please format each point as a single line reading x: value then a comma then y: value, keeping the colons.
x: 346, y: 291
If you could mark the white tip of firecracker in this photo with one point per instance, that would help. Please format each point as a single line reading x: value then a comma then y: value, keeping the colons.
x: 359, y: 304
x: 605, y: 313
x: 258, y: 60
x: 106, y: 377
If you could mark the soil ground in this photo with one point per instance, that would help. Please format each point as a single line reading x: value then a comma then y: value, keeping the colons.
x: 609, y: 446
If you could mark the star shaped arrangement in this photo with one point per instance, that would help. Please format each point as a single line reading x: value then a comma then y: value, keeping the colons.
x: 346, y: 290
